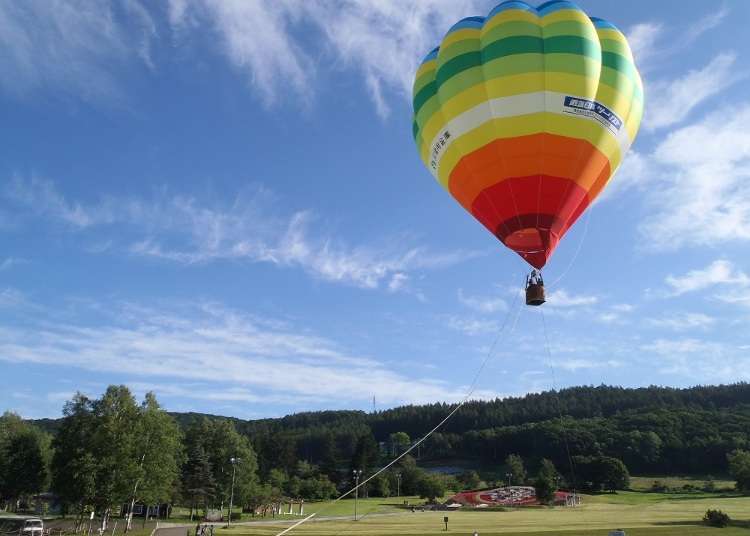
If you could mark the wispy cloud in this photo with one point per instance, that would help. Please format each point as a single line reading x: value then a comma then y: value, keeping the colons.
x: 684, y: 207
x: 683, y: 321
x: 671, y: 101
x: 719, y: 272
x: 702, y: 361
x: 180, y: 229
x: 652, y: 43
x: 241, y: 356
x: 472, y: 326
x: 482, y: 304
x: 72, y: 46
x: 561, y: 298
x: 10, y: 262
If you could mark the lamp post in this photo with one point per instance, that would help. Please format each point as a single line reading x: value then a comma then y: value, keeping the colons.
x: 357, y: 473
x: 234, y: 462
x: 509, y: 476
x: 398, y: 484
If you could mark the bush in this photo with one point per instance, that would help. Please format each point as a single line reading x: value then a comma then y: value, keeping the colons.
x: 716, y: 518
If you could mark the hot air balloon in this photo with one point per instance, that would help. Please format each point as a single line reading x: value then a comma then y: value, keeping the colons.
x: 524, y: 116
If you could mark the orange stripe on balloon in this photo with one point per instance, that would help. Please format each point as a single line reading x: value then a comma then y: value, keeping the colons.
x: 523, y: 156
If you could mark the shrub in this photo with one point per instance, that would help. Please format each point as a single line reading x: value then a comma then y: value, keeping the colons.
x: 716, y: 518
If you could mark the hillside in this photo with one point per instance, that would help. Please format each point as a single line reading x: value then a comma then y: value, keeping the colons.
x: 653, y: 429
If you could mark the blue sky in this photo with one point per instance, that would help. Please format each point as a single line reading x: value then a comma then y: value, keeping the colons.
x: 222, y: 202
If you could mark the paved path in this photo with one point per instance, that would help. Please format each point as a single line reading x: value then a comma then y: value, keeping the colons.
x: 171, y: 531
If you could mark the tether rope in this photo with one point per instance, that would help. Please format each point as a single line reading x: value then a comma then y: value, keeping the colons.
x: 578, y: 250
x: 465, y: 399
x: 559, y: 406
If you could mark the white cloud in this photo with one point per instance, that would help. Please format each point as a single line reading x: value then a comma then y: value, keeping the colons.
x: 700, y: 360
x: 10, y: 262
x: 669, y: 102
x: 574, y: 365
x: 654, y: 44
x: 271, y: 41
x: 719, y: 272
x: 71, y: 46
x: 240, y: 356
x: 472, y: 326
x: 179, y: 229
x: 561, y: 298
x: 484, y: 304
x: 699, y: 192
x: 641, y: 38
x: 683, y: 321
x: 256, y: 38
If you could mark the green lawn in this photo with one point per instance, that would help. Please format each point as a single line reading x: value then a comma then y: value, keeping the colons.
x: 643, y: 514
x: 644, y: 483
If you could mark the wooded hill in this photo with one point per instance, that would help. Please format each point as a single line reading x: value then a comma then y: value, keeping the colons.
x: 654, y: 430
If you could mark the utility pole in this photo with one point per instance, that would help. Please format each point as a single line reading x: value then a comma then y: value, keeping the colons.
x: 398, y: 484
x: 357, y: 473
x: 234, y: 462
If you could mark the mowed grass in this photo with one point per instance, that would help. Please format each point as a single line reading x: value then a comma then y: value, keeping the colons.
x: 644, y: 483
x: 672, y: 515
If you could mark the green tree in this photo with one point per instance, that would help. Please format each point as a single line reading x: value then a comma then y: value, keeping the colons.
x: 380, y: 486
x: 514, y: 466
x: 545, y: 483
x: 399, y: 442
x: 198, y: 479
x: 470, y: 480
x: 113, y: 442
x: 73, y: 462
x: 158, y: 451
x: 431, y: 486
x: 739, y: 468
x: 24, y: 467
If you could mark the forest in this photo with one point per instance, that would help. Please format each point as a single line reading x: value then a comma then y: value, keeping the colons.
x: 106, y: 453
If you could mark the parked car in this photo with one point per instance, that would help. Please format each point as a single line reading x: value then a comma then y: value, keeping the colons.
x: 21, y: 526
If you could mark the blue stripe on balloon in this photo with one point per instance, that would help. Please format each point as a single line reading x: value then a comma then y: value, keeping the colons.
x: 468, y: 22
x: 511, y: 4
x: 601, y: 23
x: 432, y: 55
x: 556, y: 5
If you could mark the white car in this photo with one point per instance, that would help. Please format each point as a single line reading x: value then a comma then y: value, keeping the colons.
x: 21, y: 526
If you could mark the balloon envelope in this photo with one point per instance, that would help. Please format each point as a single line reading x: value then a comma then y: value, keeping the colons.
x: 524, y: 115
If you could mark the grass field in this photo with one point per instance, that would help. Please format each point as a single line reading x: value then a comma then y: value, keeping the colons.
x: 642, y: 514
x: 644, y: 483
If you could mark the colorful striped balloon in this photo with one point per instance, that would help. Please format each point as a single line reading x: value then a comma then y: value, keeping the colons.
x: 525, y: 115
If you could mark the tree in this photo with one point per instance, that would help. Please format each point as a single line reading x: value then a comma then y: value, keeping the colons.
x: 431, y: 486
x: 545, y: 483
x: 24, y: 467
x: 113, y: 442
x: 399, y: 442
x: 514, y: 466
x: 158, y: 451
x: 380, y: 486
x: 198, y: 479
x: 602, y: 472
x: 739, y: 468
x: 470, y: 480
x: 73, y: 462
x: 221, y: 443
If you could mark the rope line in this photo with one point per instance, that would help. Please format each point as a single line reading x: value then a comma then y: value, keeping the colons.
x: 578, y: 250
x: 465, y: 399
x: 559, y: 405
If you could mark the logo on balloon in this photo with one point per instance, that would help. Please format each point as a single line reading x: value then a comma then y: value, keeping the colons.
x: 594, y: 110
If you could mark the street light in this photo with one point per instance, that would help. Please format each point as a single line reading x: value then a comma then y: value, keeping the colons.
x: 398, y: 484
x: 357, y: 473
x: 509, y: 476
x: 234, y: 462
